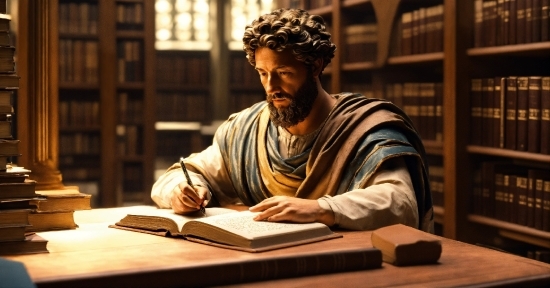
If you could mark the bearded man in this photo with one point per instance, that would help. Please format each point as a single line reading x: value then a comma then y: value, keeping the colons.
x: 304, y: 155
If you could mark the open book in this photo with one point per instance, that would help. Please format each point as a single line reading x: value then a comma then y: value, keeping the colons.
x: 225, y: 228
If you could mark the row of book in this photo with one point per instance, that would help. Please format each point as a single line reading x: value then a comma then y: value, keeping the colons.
x: 180, y: 143
x: 130, y: 107
x: 78, y: 17
x: 130, y: 61
x: 79, y: 143
x: 360, y: 42
x: 514, y: 194
x: 511, y: 113
x: 77, y: 113
x: 182, y: 70
x: 182, y: 106
x: 78, y: 61
x: 509, y: 22
x: 129, y: 140
x: 423, y: 103
x: 129, y: 16
x: 421, y: 31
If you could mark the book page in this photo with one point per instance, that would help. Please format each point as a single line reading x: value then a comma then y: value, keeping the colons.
x: 180, y: 219
x: 242, y: 223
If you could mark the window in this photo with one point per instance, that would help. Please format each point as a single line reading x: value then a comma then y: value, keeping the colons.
x: 242, y: 14
x: 182, y: 25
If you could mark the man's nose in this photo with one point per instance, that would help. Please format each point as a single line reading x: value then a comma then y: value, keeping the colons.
x: 272, y: 84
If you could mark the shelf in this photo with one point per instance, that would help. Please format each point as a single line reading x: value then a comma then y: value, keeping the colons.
x: 358, y: 66
x: 514, y: 231
x: 416, y: 59
x: 508, y: 153
x: 530, y: 49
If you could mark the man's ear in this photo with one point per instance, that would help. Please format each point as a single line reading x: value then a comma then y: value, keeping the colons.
x: 317, y: 67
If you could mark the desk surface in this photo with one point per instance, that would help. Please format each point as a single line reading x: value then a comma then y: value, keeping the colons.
x: 97, y: 255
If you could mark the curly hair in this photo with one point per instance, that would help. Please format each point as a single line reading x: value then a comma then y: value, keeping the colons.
x: 305, y: 34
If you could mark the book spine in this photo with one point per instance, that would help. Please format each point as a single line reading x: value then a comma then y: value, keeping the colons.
x: 539, y: 193
x: 520, y: 21
x: 534, y: 119
x: 545, y: 116
x: 521, y: 189
x: 487, y: 111
x: 476, y: 111
x: 511, y: 113
x: 536, y: 23
x: 496, y: 113
x: 522, y: 106
x: 478, y: 23
x: 546, y: 206
x: 406, y: 42
x: 545, y: 21
x: 528, y: 21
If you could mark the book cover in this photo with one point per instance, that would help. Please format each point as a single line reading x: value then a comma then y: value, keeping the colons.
x: 476, y: 102
x: 62, y: 202
x: 17, y: 189
x: 520, y: 21
x: 14, y: 217
x: 31, y: 244
x: 511, y: 113
x: 487, y: 87
x: 521, y: 190
x: 545, y: 116
x: 522, y: 113
x: 498, y: 120
x: 9, y: 147
x: 512, y: 27
x: 546, y: 206
x: 534, y: 115
x: 226, y: 228
x: 48, y: 221
x: 545, y: 21
x: 402, y: 245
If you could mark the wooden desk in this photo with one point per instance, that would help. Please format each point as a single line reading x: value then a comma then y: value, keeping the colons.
x: 97, y: 256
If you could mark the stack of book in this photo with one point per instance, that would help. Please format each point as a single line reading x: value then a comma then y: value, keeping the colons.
x: 16, y: 194
x: 55, y: 209
x: 16, y: 190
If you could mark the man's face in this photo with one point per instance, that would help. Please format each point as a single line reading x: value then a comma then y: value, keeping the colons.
x: 289, y: 84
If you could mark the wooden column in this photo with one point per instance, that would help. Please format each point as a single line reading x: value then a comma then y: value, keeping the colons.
x: 37, y: 116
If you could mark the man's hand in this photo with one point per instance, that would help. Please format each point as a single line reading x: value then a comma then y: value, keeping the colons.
x: 186, y: 199
x: 283, y: 208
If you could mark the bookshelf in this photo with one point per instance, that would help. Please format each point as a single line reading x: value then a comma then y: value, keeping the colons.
x: 183, y: 105
x: 449, y: 58
x: 106, y: 97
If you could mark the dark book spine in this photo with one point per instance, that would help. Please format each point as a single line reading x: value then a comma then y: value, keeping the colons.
x: 539, y: 194
x: 422, y: 30
x: 513, y: 200
x: 488, y: 87
x: 546, y: 206
x: 528, y: 21
x: 439, y: 112
x: 536, y: 21
x: 500, y: 197
x: 415, y: 30
x: 508, y: 198
x: 534, y: 119
x: 522, y: 105
x: 505, y: 23
x: 531, y: 177
x: 512, y: 26
x: 478, y: 23
x: 488, y: 189
x: 476, y: 111
x: 521, y: 187
x: 545, y: 20
x: 545, y: 116
x: 520, y: 21
x: 511, y: 113
x: 489, y: 23
x: 499, y: 22
x: 496, y: 113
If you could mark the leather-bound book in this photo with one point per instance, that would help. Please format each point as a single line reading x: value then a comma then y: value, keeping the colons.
x: 545, y: 21
x: 521, y: 189
x: 522, y: 105
x: 545, y: 116
x: 406, y: 36
x: 546, y: 206
x: 536, y: 15
x: 498, y: 114
x: 476, y: 100
x: 520, y: 21
x: 534, y: 119
x: 511, y: 113
x: 488, y: 87
x: 478, y: 23
x: 528, y: 21
x: 512, y: 26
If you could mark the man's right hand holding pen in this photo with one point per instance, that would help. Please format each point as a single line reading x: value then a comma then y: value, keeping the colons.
x: 187, y: 198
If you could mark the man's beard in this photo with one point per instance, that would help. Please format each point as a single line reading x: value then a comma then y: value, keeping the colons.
x: 300, y: 104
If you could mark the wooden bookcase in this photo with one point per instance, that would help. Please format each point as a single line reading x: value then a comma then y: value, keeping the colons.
x: 107, y: 97
x: 183, y: 105
x: 453, y: 65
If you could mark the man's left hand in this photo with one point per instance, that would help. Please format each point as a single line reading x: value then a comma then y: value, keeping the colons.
x: 283, y: 208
